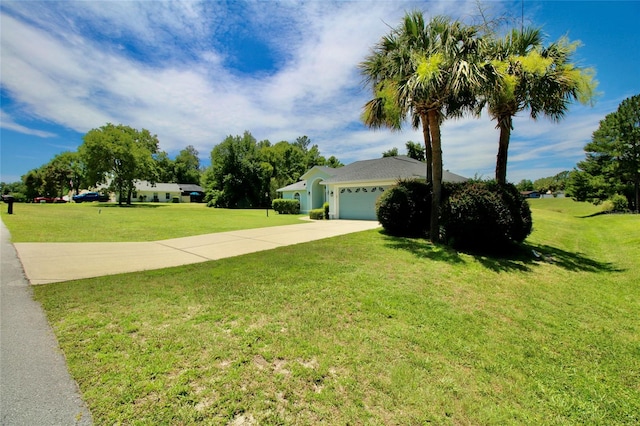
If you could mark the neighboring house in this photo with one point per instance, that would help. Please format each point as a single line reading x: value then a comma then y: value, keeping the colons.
x: 352, y: 190
x: 191, y: 193
x: 166, y: 192
x: 530, y: 194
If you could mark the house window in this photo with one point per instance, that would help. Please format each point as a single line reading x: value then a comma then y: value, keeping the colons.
x: 297, y: 196
x: 167, y: 196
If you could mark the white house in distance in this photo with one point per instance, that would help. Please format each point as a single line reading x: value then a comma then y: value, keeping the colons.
x: 352, y: 190
x: 166, y: 192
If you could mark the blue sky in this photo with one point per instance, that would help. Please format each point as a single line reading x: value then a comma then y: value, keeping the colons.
x: 194, y: 72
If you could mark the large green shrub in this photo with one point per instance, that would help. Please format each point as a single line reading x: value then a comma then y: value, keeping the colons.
x: 404, y: 209
x: 286, y: 206
x: 484, y: 216
x: 617, y: 203
x: 316, y: 214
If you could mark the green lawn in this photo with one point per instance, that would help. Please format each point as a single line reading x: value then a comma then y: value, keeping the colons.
x: 107, y: 222
x: 369, y: 329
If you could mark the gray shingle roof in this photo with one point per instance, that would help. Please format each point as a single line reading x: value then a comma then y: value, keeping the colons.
x: 298, y: 186
x: 379, y: 169
x: 190, y: 187
x: 386, y: 168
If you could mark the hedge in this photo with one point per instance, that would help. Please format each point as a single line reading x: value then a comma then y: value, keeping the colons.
x: 316, y: 214
x: 286, y: 206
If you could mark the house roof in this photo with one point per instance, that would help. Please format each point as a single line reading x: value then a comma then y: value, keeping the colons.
x: 190, y: 187
x: 386, y: 168
x: 144, y: 185
x: 379, y: 169
x: 298, y: 186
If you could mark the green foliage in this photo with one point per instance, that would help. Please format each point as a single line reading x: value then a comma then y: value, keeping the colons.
x: 119, y: 155
x: 236, y: 172
x: 525, y: 185
x: 249, y: 172
x: 17, y: 189
x: 213, y: 198
x: 415, y: 151
x: 316, y: 214
x: 526, y: 75
x: 286, y: 206
x: 325, y: 207
x: 485, y: 216
x: 404, y: 209
x: 612, y: 164
x: 187, y: 166
x: 617, y: 203
x: 393, y: 152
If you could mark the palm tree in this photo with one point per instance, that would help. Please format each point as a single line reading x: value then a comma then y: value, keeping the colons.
x: 532, y: 77
x: 430, y: 71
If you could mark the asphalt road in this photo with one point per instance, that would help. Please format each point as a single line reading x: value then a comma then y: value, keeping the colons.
x: 35, y: 385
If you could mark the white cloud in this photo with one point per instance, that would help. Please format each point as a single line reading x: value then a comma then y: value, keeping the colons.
x: 66, y: 63
x: 7, y: 122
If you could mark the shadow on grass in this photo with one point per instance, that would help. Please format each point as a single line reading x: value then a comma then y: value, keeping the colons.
x: 526, y: 256
x: 523, y: 258
x: 423, y: 249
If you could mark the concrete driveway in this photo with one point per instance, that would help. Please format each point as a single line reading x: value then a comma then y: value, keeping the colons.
x: 54, y: 262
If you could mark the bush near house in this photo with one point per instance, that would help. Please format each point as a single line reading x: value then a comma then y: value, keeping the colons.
x: 325, y: 206
x: 404, y: 210
x: 283, y: 206
x: 476, y: 215
x: 316, y: 214
x: 484, y: 216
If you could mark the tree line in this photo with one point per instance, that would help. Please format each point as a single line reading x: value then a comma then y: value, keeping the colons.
x: 611, y: 168
x: 243, y: 172
x: 246, y: 173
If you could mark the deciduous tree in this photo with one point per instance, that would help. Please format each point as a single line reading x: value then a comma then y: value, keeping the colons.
x: 118, y: 155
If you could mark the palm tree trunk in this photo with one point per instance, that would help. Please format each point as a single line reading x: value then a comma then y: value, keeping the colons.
x: 427, y: 146
x: 504, y: 123
x: 436, y: 151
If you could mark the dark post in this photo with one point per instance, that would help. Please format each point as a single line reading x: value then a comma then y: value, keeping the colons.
x: 9, y: 200
x: 266, y: 194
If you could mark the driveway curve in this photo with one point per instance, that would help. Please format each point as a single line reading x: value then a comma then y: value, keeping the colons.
x: 46, y: 263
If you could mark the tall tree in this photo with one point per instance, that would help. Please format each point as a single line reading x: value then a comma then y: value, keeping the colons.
x: 119, y: 155
x: 612, y: 164
x: 415, y: 151
x: 187, y: 166
x: 333, y: 162
x: 165, y: 167
x: 529, y: 76
x: 238, y: 174
x: 430, y: 71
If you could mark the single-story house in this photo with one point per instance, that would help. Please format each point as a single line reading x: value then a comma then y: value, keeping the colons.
x: 352, y: 190
x: 166, y: 192
x: 530, y: 194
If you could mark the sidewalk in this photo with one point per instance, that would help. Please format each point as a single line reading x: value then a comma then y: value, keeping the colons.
x: 53, y: 262
x: 35, y: 386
